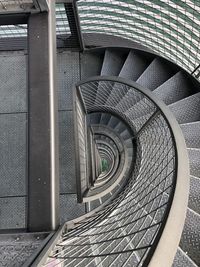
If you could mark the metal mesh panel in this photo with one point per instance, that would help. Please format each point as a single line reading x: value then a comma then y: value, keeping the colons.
x: 13, y: 144
x: 62, y: 26
x: 170, y: 28
x: 125, y: 230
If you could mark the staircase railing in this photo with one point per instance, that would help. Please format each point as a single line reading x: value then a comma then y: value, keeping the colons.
x: 143, y: 224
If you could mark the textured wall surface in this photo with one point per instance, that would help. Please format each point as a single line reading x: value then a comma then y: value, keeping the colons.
x: 13, y: 137
x: 13, y: 122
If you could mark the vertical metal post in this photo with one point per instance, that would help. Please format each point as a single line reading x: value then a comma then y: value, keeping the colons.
x: 43, y: 172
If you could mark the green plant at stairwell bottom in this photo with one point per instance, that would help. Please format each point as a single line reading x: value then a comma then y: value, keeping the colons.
x: 104, y: 165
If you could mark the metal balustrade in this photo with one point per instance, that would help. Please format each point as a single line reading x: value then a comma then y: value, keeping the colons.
x: 134, y: 229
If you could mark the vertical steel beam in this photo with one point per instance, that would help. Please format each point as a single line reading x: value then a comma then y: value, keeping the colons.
x: 43, y: 173
x: 74, y: 23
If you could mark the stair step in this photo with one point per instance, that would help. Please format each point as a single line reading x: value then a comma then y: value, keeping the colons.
x: 120, y: 127
x: 105, y: 118
x: 191, y: 132
x: 194, y: 197
x: 112, y: 63
x: 187, y: 109
x: 182, y: 260
x: 113, y: 122
x: 134, y: 66
x: 174, y: 89
x: 194, y: 159
x: 91, y: 64
x: 155, y: 74
x: 128, y: 100
x: 125, y: 134
x: 140, y: 109
x: 94, y: 118
x: 190, y: 239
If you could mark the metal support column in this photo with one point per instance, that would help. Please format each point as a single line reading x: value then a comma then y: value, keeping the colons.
x: 43, y: 173
x: 76, y: 38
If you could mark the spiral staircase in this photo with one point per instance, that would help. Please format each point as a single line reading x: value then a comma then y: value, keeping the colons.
x: 135, y: 150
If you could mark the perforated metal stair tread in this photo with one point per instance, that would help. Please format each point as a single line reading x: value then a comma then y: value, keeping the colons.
x: 187, y: 110
x: 134, y: 66
x: 190, y: 239
x: 191, y: 132
x: 182, y: 260
x: 194, y: 197
x: 174, y: 89
x: 155, y: 74
x: 194, y: 159
x: 91, y: 64
x: 112, y: 63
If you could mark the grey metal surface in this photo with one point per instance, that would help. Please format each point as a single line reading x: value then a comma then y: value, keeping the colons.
x: 190, y: 239
x: 69, y: 208
x: 155, y: 74
x: 91, y: 64
x: 13, y: 82
x: 113, y: 62
x: 76, y: 38
x: 107, y: 40
x: 194, y: 197
x: 182, y: 260
x: 68, y: 76
x: 13, y: 154
x: 187, y: 109
x: 194, y: 157
x: 134, y: 66
x: 191, y: 132
x: 43, y: 158
x: 174, y: 89
x: 67, y: 164
x: 105, y: 118
x: 15, y: 249
x: 12, y: 212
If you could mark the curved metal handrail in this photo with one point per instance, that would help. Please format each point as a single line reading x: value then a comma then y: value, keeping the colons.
x: 163, y: 248
x: 166, y: 245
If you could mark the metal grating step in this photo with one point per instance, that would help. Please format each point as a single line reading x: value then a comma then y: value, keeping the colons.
x: 191, y: 132
x: 113, y: 62
x: 194, y: 197
x: 190, y: 239
x: 134, y: 66
x: 155, y: 74
x: 187, y: 109
x: 194, y: 159
x: 91, y: 64
x: 174, y: 89
x: 182, y: 260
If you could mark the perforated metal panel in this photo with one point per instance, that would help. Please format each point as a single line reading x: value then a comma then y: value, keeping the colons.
x: 15, y: 249
x: 13, y: 154
x: 182, y: 260
x: 13, y: 130
x: 13, y: 82
x: 68, y: 76
x: 191, y: 236
x: 12, y: 211
x: 67, y: 165
x: 69, y: 207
